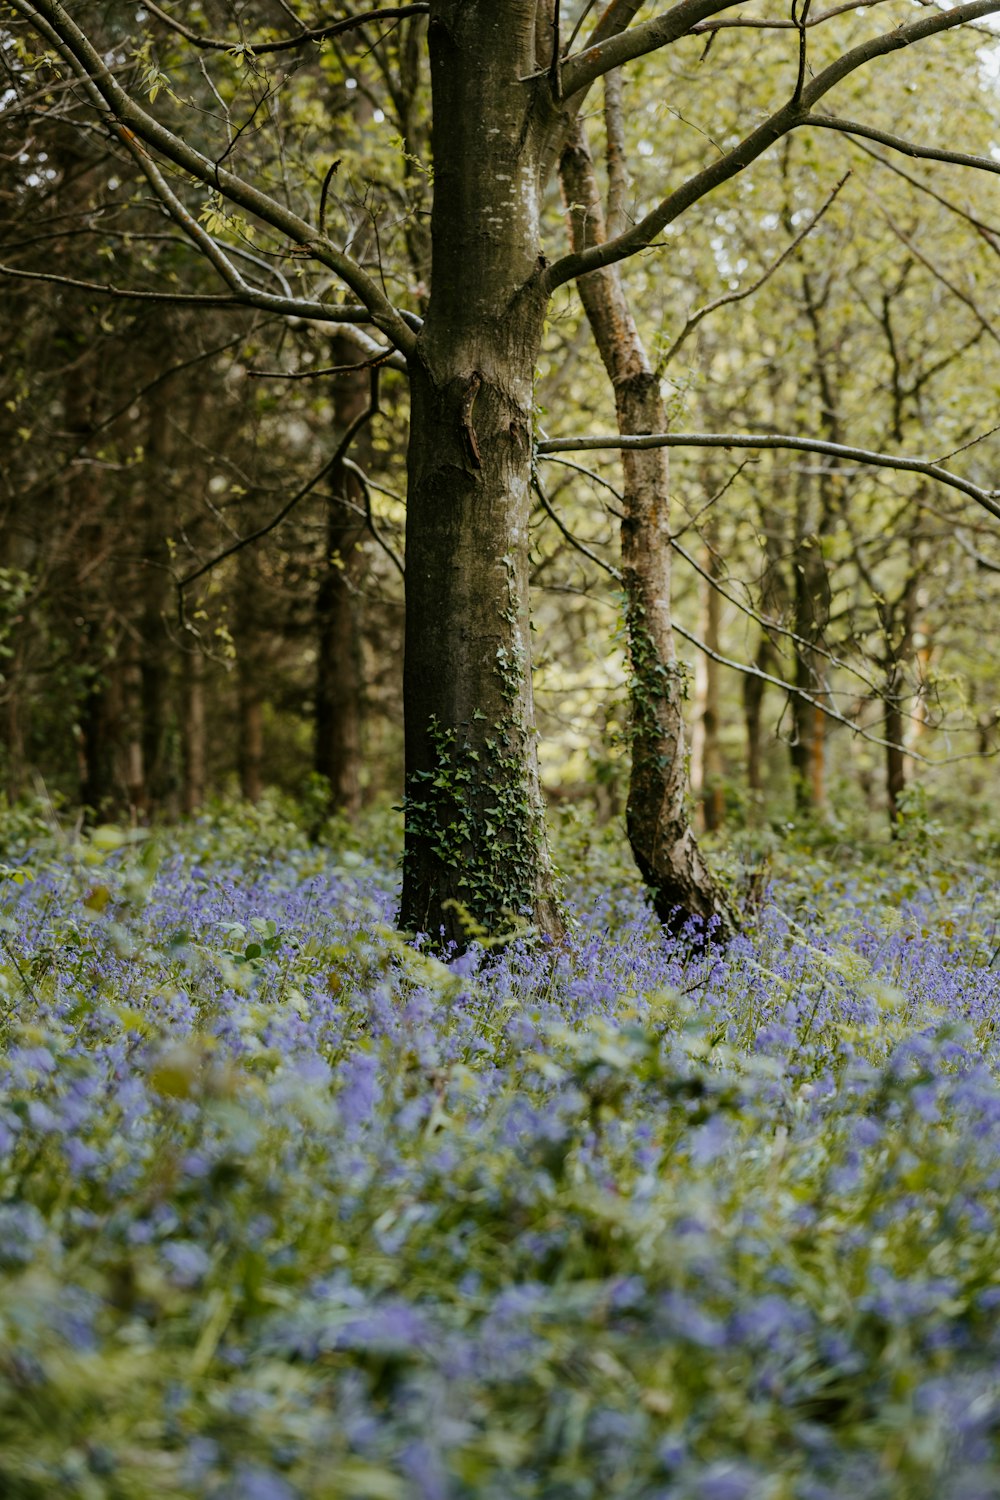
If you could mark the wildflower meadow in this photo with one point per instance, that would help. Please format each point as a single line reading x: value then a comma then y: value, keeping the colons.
x: 293, y: 1209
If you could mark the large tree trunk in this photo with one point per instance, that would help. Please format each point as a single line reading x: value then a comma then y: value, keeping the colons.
x: 475, y: 839
x: 659, y: 830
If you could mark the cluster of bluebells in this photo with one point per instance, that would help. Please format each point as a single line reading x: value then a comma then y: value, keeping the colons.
x: 292, y: 1208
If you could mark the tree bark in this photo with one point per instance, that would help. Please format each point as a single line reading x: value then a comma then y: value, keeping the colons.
x: 339, y: 689
x: 475, y: 848
x: 753, y: 711
x: 706, y: 750
x: 659, y: 830
x: 193, y: 731
x: 249, y: 698
x: 811, y: 610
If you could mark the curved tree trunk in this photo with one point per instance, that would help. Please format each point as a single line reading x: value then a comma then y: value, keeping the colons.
x: 475, y: 845
x: 663, y: 843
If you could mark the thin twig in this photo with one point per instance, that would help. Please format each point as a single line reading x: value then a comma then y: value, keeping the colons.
x: 899, y: 143
x: 286, y: 44
x: 573, y: 540
x: 748, y: 670
x: 339, y: 453
x: 327, y: 180
x: 375, y: 361
x: 363, y: 480
x: 742, y: 293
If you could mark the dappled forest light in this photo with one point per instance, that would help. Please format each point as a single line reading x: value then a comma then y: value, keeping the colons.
x: 499, y: 535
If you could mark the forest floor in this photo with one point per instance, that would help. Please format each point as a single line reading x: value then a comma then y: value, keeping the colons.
x: 289, y: 1208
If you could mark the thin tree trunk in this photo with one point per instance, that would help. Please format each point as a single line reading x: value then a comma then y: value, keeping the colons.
x: 249, y: 699
x: 102, y: 783
x: 811, y: 605
x: 154, y: 576
x: 899, y: 652
x: 753, y: 708
x: 659, y: 830
x: 193, y: 731
x: 895, y: 752
x: 706, y: 750
x: 475, y: 837
x: 339, y: 691
x: 13, y: 716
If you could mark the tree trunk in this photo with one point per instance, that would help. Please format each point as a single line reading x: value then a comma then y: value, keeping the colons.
x: 895, y: 751
x: 337, y: 754
x: 193, y: 731
x: 706, y: 751
x: 101, y: 790
x: 475, y: 841
x: 249, y: 699
x: 753, y: 710
x: 154, y: 576
x: 811, y: 594
x: 899, y: 630
x: 659, y: 830
x: 102, y: 780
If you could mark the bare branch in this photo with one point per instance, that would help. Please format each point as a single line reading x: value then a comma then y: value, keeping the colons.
x: 317, y: 312
x: 988, y: 232
x: 366, y: 490
x: 749, y: 670
x: 908, y: 148
x: 789, y: 116
x: 288, y: 43
x: 605, y: 52
x: 981, y: 438
x: 564, y: 530
x: 127, y: 120
x: 938, y: 275
x: 772, y: 627
x: 988, y: 499
x: 986, y: 563
x: 744, y: 292
x: 780, y: 24
x: 380, y: 359
x: 331, y: 463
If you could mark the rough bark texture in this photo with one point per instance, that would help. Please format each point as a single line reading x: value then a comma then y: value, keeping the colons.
x: 659, y: 829
x: 474, y: 822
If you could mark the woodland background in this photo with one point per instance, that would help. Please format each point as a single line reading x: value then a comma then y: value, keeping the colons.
x: 837, y: 291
